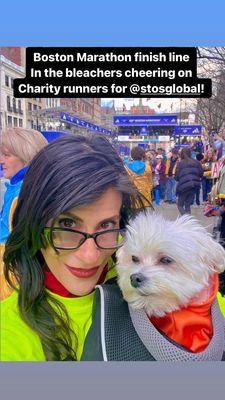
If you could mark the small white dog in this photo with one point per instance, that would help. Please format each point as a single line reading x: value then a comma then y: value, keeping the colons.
x: 166, y: 265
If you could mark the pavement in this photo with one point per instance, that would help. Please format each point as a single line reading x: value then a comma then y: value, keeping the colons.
x: 170, y: 211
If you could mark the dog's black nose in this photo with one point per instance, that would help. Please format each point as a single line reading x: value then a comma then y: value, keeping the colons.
x: 137, y: 280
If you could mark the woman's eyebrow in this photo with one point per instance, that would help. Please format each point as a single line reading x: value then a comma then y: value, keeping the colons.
x: 74, y: 216
x: 71, y: 215
x: 115, y: 217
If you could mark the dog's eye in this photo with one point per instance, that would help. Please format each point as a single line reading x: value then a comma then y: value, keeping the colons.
x: 135, y: 259
x: 166, y: 260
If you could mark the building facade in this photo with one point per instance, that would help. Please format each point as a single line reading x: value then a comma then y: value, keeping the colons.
x: 39, y: 113
x: 12, y: 110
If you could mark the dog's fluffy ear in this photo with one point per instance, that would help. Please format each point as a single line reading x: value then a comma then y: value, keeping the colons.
x: 122, y: 255
x: 213, y: 254
x: 210, y: 252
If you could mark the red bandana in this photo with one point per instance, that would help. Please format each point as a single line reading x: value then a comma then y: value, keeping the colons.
x: 56, y: 287
x: 190, y: 327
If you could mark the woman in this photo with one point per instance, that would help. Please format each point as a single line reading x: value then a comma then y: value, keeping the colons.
x: 159, y: 180
x: 150, y: 157
x: 75, y: 199
x: 171, y: 165
x: 207, y: 180
x: 199, y: 157
x: 219, y: 144
x: 18, y: 147
x: 188, y: 174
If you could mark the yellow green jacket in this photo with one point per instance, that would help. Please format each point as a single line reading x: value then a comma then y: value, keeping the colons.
x: 18, y: 342
x: 221, y: 301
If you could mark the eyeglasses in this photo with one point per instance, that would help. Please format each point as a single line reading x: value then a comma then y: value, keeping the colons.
x: 69, y: 239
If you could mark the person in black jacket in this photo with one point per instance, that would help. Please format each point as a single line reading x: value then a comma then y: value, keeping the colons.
x: 188, y: 174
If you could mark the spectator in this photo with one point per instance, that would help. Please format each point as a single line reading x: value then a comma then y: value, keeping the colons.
x: 207, y: 180
x: 161, y: 152
x: 141, y: 174
x: 199, y: 157
x: 188, y: 174
x: 150, y: 157
x: 219, y: 144
x: 171, y: 165
x: 159, y: 180
x: 18, y: 147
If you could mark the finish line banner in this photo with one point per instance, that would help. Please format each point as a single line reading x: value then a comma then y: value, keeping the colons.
x: 152, y: 120
x: 112, y: 72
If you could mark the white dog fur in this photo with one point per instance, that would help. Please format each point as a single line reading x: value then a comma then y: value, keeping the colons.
x: 168, y: 284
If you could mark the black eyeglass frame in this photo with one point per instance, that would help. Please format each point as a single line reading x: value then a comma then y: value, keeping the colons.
x: 48, y: 234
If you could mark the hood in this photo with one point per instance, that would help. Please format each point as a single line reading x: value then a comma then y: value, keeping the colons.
x: 137, y: 166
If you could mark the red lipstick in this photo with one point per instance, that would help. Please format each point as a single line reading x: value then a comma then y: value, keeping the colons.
x: 81, y: 272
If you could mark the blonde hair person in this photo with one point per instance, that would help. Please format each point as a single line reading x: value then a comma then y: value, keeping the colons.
x: 207, y: 179
x: 22, y: 143
x: 18, y: 147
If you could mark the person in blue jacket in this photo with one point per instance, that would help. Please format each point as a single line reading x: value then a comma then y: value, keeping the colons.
x: 141, y: 173
x: 18, y: 147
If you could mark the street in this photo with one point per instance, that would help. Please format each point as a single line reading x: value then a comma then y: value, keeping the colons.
x: 170, y: 211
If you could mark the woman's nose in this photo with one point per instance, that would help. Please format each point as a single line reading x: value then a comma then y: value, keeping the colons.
x: 89, y: 252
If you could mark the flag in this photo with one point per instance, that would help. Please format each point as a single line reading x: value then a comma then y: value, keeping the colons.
x: 124, y: 107
x: 159, y: 105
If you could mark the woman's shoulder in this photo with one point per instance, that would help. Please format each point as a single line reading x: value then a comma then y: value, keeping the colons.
x: 9, y: 302
x: 18, y: 341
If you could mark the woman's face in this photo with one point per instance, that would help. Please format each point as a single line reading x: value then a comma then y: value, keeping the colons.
x: 79, y: 270
x: 10, y: 164
x: 210, y: 154
x: 149, y: 155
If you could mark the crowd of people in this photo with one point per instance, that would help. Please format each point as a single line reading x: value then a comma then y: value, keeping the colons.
x: 184, y: 177
x: 176, y: 173
x: 70, y: 211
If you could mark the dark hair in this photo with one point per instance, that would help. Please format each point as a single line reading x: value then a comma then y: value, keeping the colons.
x: 137, y: 153
x: 174, y: 151
x: 72, y: 171
x: 199, y: 156
x: 185, y: 153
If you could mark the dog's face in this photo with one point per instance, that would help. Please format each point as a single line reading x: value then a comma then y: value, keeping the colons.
x: 164, y: 265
